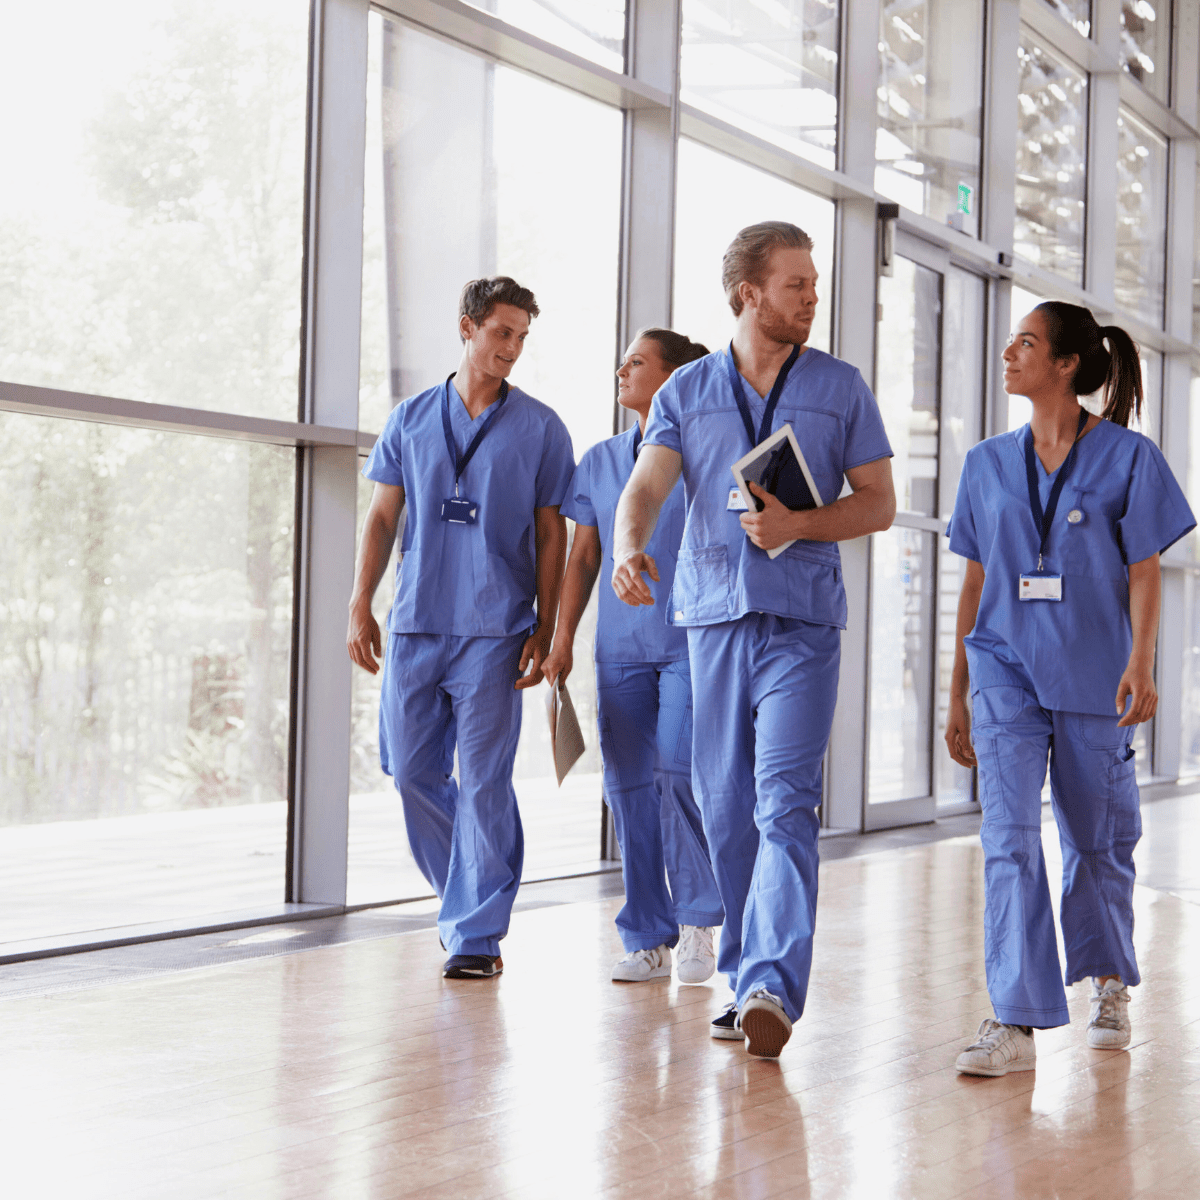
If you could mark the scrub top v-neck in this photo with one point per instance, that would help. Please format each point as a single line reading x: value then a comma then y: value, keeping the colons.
x: 625, y: 633
x: 1120, y: 505
x: 480, y: 579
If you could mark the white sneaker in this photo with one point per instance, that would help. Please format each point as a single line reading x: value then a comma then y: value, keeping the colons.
x: 695, y: 960
x: 766, y: 1026
x: 998, y: 1049
x: 1108, y: 1023
x: 639, y: 965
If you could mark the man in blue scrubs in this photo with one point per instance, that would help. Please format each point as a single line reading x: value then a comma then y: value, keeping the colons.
x: 482, y: 468
x: 763, y: 634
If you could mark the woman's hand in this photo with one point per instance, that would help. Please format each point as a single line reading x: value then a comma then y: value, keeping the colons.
x: 958, y: 733
x: 1138, y: 682
x: 558, y: 662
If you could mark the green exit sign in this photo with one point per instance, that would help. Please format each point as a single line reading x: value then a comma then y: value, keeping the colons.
x: 966, y: 194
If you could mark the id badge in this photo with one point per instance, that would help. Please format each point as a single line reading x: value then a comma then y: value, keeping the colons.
x: 736, y: 501
x: 1040, y: 587
x: 460, y: 511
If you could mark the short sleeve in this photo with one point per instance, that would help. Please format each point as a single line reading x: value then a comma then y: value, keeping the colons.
x: 557, y: 466
x: 963, y: 539
x: 384, y: 464
x: 662, y: 427
x: 866, y: 438
x: 578, y: 504
x: 1157, y: 513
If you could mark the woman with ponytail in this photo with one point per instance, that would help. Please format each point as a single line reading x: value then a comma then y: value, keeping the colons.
x: 644, y: 696
x: 1062, y: 523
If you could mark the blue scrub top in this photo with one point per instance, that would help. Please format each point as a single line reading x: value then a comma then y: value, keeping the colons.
x: 721, y: 575
x: 1070, y: 653
x: 471, y: 580
x: 625, y: 633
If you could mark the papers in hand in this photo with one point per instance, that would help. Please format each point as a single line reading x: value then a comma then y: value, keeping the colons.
x: 565, y: 737
x: 778, y: 467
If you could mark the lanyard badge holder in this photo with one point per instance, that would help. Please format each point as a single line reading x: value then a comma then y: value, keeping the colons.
x: 456, y: 509
x: 736, y: 501
x: 1040, y: 586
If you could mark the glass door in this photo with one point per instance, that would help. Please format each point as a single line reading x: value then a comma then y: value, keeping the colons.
x: 929, y: 383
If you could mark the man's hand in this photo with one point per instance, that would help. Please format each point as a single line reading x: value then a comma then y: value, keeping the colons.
x: 958, y: 733
x: 1138, y: 682
x: 627, y: 579
x: 363, y: 638
x: 533, y: 654
x: 558, y: 662
x: 771, y: 527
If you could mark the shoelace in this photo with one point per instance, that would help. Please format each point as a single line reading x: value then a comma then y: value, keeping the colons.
x: 762, y: 991
x: 653, y: 956
x: 1108, y: 1015
x: 991, y: 1033
x: 690, y: 943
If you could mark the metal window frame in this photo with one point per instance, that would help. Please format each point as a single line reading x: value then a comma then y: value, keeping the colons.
x: 328, y: 442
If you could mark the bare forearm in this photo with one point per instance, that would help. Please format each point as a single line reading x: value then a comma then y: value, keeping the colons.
x: 968, y: 613
x: 375, y: 548
x: 551, y: 558
x: 852, y: 516
x: 637, y: 515
x: 1145, y: 596
x: 576, y: 591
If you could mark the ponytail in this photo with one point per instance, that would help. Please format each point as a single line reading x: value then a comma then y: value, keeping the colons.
x: 674, y: 348
x: 1071, y: 329
x: 1123, y: 381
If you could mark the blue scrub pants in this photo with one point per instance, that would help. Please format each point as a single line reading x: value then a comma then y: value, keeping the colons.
x: 467, y: 840
x: 764, y: 689
x: 644, y: 712
x: 1095, y: 802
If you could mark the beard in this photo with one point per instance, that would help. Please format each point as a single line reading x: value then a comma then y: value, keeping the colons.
x: 774, y: 324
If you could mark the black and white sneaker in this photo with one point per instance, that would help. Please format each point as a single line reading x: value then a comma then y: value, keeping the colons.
x: 472, y: 966
x: 726, y: 1026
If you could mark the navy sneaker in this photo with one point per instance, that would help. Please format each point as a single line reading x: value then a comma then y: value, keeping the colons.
x: 472, y: 966
x: 726, y: 1025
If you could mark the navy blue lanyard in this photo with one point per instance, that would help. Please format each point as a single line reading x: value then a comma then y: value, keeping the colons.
x: 460, y: 464
x: 637, y: 441
x: 739, y: 394
x: 1042, y: 521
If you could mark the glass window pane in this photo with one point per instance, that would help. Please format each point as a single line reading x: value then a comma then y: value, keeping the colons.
x: 1075, y: 12
x: 930, y: 101
x: 1150, y: 422
x: 150, y: 222
x: 901, y: 664
x: 767, y: 66
x: 145, y: 637
x: 1051, y: 160
x: 1189, y: 763
x: 1141, y: 217
x: 437, y: 113
x: 1146, y: 43
x: 717, y: 196
x: 593, y: 29
x: 909, y: 339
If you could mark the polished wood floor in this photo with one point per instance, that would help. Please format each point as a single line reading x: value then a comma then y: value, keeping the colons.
x: 357, y: 1071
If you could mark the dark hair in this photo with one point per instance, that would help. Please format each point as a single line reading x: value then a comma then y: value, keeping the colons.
x: 673, y: 348
x: 480, y: 297
x: 1071, y: 329
x: 749, y: 252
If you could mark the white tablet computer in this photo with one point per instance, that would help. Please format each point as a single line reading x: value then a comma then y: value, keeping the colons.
x: 777, y: 466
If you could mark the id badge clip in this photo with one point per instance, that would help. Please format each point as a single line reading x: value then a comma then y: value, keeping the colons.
x: 1040, y: 587
x: 460, y: 511
x: 736, y: 501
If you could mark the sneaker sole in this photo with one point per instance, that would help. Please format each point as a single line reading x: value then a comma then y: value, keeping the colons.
x: 996, y: 1072
x: 727, y: 1035
x: 466, y: 973
x: 766, y: 1034
x: 1110, y: 1045
x: 657, y: 973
